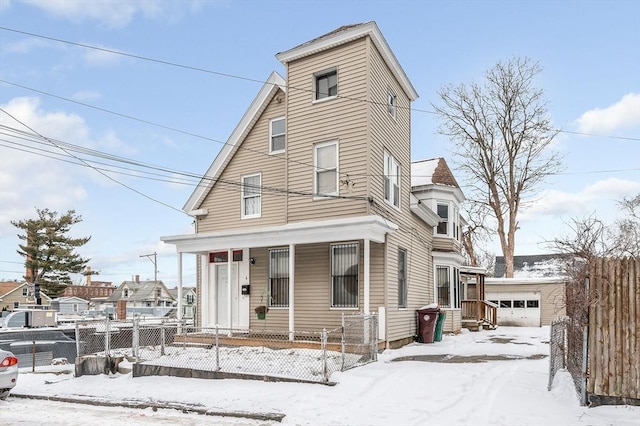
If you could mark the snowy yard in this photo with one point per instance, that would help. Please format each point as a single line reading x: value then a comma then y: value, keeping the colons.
x: 496, y: 377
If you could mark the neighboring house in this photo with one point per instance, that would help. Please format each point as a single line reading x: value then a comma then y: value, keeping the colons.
x: 70, y: 305
x: 19, y: 295
x: 536, y: 293
x: 142, y: 294
x: 308, y: 208
x: 92, y: 290
x: 188, y: 301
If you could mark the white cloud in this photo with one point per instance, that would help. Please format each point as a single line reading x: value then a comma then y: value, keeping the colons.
x: 599, y: 197
x: 116, y: 14
x: 5, y: 4
x: 87, y: 95
x: 623, y: 114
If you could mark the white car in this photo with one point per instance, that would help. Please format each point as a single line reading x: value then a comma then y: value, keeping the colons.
x: 8, y: 373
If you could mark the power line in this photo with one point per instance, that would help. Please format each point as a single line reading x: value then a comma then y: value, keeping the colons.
x: 238, y: 77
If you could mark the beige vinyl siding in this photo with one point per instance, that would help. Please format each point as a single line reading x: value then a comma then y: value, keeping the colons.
x: 342, y: 120
x: 224, y: 199
x: 552, y: 297
x: 452, y: 321
x: 446, y: 244
x: 393, y: 135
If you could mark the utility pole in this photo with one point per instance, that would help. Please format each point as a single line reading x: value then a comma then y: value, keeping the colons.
x: 155, y: 263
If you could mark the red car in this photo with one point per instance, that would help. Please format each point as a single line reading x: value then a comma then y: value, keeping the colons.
x: 8, y: 373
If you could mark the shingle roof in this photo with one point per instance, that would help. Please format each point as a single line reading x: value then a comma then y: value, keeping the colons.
x: 139, y: 291
x: 432, y: 171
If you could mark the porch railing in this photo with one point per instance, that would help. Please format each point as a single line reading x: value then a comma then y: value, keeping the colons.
x: 480, y: 310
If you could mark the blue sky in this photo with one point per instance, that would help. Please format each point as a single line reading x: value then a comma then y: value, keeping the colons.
x: 589, y: 51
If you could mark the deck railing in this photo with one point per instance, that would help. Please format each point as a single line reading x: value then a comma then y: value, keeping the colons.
x: 480, y: 310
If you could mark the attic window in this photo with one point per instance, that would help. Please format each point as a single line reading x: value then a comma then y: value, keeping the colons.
x: 391, y: 104
x: 277, y: 131
x: 326, y: 84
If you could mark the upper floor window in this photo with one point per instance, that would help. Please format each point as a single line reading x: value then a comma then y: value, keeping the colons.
x: 326, y: 84
x: 391, y: 180
x: 402, y: 278
x: 326, y: 169
x: 344, y: 275
x: 190, y: 299
x: 126, y: 292
x: 279, y: 277
x: 391, y: 104
x: 158, y: 292
x: 443, y: 225
x: 277, y: 135
x: 251, y: 196
x: 25, y: 291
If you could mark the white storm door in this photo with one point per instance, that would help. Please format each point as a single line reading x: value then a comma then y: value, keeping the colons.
x: 222, y: 289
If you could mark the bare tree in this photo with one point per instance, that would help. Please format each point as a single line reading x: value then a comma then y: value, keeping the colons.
x: 502, y: 135
x: 475, y: 233
x: 625, y: 232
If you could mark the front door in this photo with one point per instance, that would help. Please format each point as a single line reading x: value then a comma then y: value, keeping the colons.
x: 222, y: 294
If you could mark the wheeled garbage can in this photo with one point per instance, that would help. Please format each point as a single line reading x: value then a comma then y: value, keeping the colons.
x: 427, y: 319
x: 439, y: 326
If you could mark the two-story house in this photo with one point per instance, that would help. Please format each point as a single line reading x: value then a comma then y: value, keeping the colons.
x: 308, y: 208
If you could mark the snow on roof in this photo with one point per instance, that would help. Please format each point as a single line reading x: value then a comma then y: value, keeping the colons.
x: 422, y: 172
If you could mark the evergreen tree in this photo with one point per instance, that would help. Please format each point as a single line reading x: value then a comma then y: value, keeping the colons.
x: 49, y: 252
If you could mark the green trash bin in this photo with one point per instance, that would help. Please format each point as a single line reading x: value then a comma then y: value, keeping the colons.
x: 439, y: 325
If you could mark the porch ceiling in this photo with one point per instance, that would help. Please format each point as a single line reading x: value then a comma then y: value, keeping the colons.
x: 372, y: 227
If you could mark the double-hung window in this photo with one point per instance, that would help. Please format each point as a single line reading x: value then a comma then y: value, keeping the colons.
x: 391, y: 180
x: 443, y: 288
x: 326, y: 84
x: 443, y: 225
x: 402, y: 278
x: 391, y: 104
x: 344, y: 275
x: 326, y: 169
x: 277, y: 142
x: 251, y: 196
x: 279, y: 277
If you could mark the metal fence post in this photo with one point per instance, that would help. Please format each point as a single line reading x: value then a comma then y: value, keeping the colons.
x: 135, y: 343
x: 77, y: 340
x: 342, y: 345
x: 162, y: 338
x: 325, y: 372
x: 107, y: 337
x: 374, y: 339
x: 217, y: 351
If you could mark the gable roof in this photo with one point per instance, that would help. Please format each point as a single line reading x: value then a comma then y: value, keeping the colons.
x: 140, y: 291
x: 346, y: 34
x: 432, y: 171
x: 538, y: 265
x: 274, y: 83
x: 7, y: 287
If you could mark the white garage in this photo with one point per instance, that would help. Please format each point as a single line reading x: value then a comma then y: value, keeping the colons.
x: 521, y: 308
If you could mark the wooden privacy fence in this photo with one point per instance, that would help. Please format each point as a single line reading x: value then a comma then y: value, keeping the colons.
x: 614, y: 328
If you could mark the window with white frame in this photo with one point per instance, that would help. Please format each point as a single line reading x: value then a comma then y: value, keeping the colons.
x: 391, y: 180
x: 443, y: 225
x: 251, y: 196
x: 344, y: 275
x: 443, y: 287
x: 326, y: 169
x: 279, y: 277
x: 25, y: 291
x: 402, y: 278
x: 326, y: 84
x: 277, y: 142
x: 455, y: 219
x: 391, y: 104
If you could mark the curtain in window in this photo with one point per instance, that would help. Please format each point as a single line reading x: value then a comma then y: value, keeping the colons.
x: 442, y: 280
x: 279, y: 277
x: 344, y: 275
x: 326, y: 169
x: 251, y: 195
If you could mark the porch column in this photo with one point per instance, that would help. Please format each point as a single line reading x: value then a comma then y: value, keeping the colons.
x: 179, y: 286
x: 229, y: 293
x: 367, y: 255
x: 292, y: 268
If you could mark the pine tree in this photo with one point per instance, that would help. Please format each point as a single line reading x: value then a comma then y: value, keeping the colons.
x: 49, y: 252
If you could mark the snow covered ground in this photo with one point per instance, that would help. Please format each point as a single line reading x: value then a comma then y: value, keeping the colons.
x: 447, y: 383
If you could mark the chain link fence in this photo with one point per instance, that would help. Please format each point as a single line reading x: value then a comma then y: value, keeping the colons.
x: 568, y: 350
x: 303, y: 355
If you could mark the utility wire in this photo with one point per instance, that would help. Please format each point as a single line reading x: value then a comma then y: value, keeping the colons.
x: 234, y: 76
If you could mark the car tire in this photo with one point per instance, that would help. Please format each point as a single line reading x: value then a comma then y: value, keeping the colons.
x: 4, y: 394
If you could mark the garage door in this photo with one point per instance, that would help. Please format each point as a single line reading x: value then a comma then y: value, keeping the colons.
x: 517, y: 308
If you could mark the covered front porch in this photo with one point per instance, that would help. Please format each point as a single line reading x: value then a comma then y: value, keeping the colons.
x: 236, y: 273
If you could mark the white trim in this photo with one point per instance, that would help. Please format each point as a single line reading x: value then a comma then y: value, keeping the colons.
x: 370, y: 227
x: 316, y: 169
x: 198, y: 212
x: 323, y: 73
x: 423, y: 212
x: 346, y: 36
x: 388, y: 174
x: 260, y: 102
